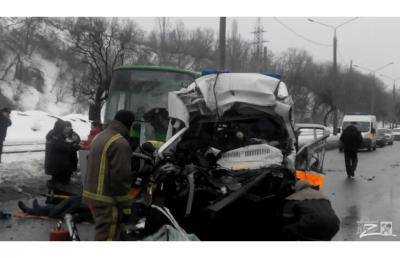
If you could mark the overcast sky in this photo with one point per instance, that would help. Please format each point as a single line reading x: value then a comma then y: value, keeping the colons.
x: 369, y: 42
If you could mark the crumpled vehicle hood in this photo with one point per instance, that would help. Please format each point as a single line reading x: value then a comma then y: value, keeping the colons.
x: 209, y: 96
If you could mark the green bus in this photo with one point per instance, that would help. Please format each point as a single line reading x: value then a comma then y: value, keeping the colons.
x: 144, y: 90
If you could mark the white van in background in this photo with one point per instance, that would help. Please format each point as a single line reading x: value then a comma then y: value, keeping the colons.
x: 367, y: 125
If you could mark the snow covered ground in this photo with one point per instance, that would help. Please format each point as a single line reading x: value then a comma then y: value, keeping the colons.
x: 23, y: 156
x: 21, y: 166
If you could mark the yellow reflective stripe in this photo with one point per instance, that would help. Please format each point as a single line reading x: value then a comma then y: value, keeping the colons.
x: 114, y: 222
x: 107, y: 199
x: 103, y: 163
x: 100, y: 198
x: 123, y: 198
x: 156, y: 144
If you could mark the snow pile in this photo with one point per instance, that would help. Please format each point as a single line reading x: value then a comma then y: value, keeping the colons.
x: 31, y: 127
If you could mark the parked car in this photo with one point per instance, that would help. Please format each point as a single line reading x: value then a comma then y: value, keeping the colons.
x: 389, y: 136
x: 396, y: 134
x: 384, y: 137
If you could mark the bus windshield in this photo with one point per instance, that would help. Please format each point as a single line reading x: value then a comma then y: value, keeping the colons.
x: 145, y: 92
x: 361, y: 126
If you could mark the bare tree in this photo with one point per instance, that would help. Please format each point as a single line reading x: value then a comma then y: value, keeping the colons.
x: 102, y: 45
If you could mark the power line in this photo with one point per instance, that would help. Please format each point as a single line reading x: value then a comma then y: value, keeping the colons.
x: 299, y: 35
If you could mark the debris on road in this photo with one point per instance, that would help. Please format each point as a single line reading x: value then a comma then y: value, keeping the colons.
x: 367, y: 178
x: 5, y: 215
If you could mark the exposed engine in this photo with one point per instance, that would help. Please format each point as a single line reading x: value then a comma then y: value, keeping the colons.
x: 217, y: 167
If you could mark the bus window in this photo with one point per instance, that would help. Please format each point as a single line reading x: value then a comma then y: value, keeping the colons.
x: 121, y: 101
x: 145, y: 92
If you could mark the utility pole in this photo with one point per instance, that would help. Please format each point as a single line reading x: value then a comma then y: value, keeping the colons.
x: 258, y: 44
x: 335, y: 54
x: 162, y: 23
x: 394, y: 95
x: 394, y: 102
x: 222, y: 42
x: 372, y: 106
x: 335, y: 74
x: 335, y: 79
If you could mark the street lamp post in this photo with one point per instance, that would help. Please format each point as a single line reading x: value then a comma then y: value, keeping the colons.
x: 373, y: 72
x: 394, y: 84
x: 222, y: 42
x: 394, y: 79
x: 335, y: 28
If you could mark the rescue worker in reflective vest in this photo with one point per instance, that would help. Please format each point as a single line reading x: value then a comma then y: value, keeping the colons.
x: 109, y: 177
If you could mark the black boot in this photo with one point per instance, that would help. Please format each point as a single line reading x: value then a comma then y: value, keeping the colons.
x: 23, y: 207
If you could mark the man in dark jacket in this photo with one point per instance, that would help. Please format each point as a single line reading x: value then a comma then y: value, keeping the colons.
x: 5, y: 122
x: 352, y: 140
x: 109, y: 177
x: 58, y: 162
x: 74, y: 140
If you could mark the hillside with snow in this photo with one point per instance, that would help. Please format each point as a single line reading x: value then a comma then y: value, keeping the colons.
x: 36, y: 68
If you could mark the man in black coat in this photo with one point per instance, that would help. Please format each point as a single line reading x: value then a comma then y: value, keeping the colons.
x: 352, y: 140
x: 58, y: 162
x: 74, y: 140
x: 5, y: 122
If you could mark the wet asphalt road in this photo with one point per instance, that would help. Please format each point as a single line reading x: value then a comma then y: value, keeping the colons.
x: 373, y: 196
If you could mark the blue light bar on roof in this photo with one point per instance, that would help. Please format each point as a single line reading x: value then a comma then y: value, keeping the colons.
x: 208, y: 71
x: 274, y: 75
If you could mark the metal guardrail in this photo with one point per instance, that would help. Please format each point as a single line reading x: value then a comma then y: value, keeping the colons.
x: 22, y: 151
x: 8, y: 149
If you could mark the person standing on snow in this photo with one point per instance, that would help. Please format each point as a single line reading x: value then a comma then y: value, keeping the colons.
x: 109, y: 177
x: 57, y: 162
x: 72, y: 138
x: 5, y: 122
x: 352, y: 140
